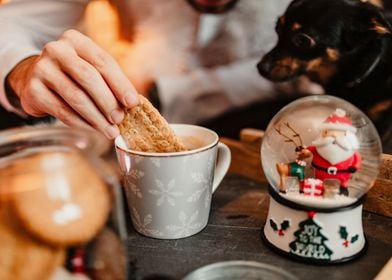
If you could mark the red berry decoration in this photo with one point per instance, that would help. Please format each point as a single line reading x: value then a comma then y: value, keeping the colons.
x: 311, y: 214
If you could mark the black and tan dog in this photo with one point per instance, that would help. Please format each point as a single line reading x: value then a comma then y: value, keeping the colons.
x: 345, y: 45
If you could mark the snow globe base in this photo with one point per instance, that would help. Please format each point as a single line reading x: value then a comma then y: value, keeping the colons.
x: 314, y: 235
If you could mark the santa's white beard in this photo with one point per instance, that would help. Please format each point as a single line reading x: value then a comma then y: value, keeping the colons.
x: 336, y: 150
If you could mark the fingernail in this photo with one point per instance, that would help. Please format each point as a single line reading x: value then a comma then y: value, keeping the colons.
x: 112, y: 131
x: 117, y: 116
x: 131, y: 100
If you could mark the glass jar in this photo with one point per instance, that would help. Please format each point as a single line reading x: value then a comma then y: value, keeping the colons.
x: 60, y: 205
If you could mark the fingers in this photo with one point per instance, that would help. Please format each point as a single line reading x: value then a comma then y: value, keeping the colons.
x: 52, y: 105
x: 119, y: 84
x: 79, y: 83
x: 78, y: 100
x: 86, y: 76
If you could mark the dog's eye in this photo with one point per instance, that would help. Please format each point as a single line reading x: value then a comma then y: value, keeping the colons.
x: 303, y: 41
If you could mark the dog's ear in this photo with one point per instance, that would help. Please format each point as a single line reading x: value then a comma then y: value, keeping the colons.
x: 380, y: 25
x: 295, y: 3
x: 368, y: 23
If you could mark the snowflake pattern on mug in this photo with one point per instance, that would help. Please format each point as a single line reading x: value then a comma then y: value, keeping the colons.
x: 141, y: 226
x: 156, y: 161
x: 136, y: 174
x: 186, y: 226
x: 205, y: 183
x: 165, y: 193
x: 132, y: 187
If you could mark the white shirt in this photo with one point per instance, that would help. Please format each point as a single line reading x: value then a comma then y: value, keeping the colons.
x: 203, y: 65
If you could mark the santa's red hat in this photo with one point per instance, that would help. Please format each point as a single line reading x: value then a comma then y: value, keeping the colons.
x: 338, y: 121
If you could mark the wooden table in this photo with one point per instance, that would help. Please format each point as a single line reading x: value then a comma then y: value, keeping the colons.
x: 238, y: 213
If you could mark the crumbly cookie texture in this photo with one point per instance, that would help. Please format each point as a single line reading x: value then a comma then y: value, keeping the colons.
x: 66, y: 203
x: 144, y: 129
x: 22, y: 256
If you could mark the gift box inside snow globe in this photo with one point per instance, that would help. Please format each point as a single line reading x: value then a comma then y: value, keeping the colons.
x: 320, y: 155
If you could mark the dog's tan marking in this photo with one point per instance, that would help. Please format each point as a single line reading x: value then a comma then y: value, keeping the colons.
x: 314, y: 64
x: 296, y: 26
x: 375, y: 112
x: 290, y: 64
x: 332, y: 54
x: 286, y: 66
x: 321, y: 69
x: 377, y: 3
x: 379, y: 28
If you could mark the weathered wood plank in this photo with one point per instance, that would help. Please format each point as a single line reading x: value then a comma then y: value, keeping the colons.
x: 252, y: 137
x: 245, y: 160
x: 379, y: 198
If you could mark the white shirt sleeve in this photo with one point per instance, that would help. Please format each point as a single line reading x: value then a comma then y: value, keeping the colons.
x: 210, y: 92
x: 26, y: 25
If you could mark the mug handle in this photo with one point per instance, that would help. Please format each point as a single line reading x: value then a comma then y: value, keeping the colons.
x: 222, y: 165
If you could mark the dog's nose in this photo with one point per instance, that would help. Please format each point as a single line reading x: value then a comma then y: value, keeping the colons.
x: 264, y: 67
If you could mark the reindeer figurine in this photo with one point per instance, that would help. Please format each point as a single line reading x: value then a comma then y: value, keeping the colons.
x: 297, y: 167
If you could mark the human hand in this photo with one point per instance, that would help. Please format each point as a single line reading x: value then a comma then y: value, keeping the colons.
x: 75, y: 81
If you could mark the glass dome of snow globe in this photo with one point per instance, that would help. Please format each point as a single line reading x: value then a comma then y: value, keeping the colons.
x: 321, y: 151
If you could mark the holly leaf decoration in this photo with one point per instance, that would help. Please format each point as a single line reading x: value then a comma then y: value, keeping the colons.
x: 285, y: 224
x: 274, y: 226
x: 343, y: 232
x: 354, y: 238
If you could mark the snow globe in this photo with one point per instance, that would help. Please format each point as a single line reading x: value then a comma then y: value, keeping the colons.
x: 320, y: 155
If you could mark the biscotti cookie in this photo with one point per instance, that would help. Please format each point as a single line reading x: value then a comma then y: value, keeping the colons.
x: 66, y: 202
x: 22, y: 257
x: 144, y: 129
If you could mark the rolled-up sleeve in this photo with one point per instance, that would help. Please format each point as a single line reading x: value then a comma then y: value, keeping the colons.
x: 26, y: 25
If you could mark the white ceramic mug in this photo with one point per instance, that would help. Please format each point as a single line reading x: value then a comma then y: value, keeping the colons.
x: 169, y: 194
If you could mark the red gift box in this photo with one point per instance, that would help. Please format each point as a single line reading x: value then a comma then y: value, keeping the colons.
x: 313, y: 187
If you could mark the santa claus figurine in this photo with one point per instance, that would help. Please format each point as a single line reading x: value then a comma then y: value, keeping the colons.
x: 335, y: 153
